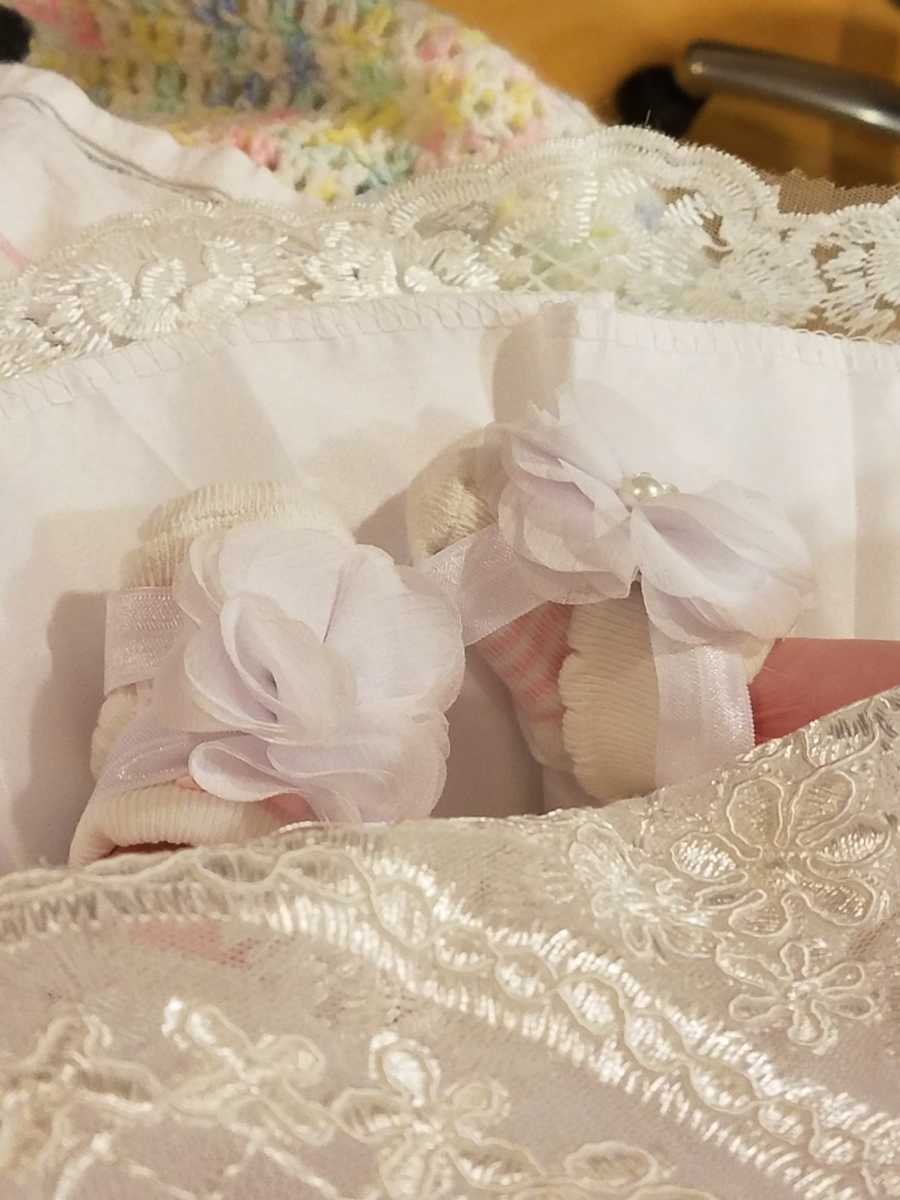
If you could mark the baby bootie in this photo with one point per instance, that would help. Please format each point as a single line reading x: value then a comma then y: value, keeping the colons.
x: 262, y: 669
x: 623, y: 576
x: 444, y: 506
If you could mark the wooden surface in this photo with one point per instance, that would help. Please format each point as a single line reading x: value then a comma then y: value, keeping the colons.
x: 589, y: 46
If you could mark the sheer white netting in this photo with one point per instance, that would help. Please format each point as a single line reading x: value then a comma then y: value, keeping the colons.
x: 668, y: 229
x: 685, y: 997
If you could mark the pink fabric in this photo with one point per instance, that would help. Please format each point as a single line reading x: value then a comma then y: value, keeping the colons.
x: 528, y: 656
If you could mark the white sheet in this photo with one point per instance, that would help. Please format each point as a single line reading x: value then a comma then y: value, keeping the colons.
x: 74, y: 165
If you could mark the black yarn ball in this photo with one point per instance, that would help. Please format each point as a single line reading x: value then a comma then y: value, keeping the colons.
x: 652, y: 98
x: 15, y: 36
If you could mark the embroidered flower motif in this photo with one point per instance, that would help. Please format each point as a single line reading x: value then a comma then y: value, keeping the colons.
x: 434, y: 1143
x: 617, y: 1169
x: 255, y: 1082
x: 313, y: 671
x: 354, y: 263
x: 781, y: 850
x: 575, y: 503
x: 431, y: 1140
x: 43, y: 1092
x: 24, y: 343
x: 881, y: 1160
x: 619, y: 233
x: 610, y: 1169
x: 97, y: 307
x: 795, y: 990
x: 863, y: 271
x: 753, y: 275
x: 655, y: 919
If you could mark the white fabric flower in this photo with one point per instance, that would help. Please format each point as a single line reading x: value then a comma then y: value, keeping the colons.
x: 575, y: 502
x: 311, y: 672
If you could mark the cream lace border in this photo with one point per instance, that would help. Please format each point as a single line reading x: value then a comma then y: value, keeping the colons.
x: 667, y: 229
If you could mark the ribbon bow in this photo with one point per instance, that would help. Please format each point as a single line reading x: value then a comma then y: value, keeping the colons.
x: 586, y: 506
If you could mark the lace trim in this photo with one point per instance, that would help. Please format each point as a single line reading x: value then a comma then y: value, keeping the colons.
x: 368, y: 1012
x: 687, y: 232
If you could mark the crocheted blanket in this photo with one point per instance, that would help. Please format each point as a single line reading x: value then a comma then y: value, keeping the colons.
x: 336, y: 97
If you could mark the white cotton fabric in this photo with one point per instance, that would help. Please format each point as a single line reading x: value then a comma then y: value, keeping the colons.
x: 355, y: 401
x: 75, y: 165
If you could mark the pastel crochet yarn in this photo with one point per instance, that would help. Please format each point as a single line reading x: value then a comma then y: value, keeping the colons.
x: 336, y: 97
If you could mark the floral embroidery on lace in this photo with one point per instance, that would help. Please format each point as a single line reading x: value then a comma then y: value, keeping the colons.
x: 427, y: 1012
x: 778, y: 853
x: 357, y: 264
x: 427, y: 1141
x: 798, y: 989
x: 427, y: 1137
x: 656, y: 917
x: 261, y: 1084
x: 66, y: 1071
x: 668, y: 229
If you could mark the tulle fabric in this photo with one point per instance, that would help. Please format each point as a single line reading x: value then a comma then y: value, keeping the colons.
x: 308, y: 671
x: 715, y: 564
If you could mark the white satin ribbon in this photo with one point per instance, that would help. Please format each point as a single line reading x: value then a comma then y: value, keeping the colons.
x: 705, y: 717
x: 144, y: 755
x: 141, y: 627
x: 484, y: 578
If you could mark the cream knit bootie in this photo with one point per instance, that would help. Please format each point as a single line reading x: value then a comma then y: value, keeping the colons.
x: 581, y: 678
x: 171, y: 813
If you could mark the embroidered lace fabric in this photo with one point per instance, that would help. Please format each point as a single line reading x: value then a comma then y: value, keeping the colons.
x: 692, y: 996
x: 668, y: 229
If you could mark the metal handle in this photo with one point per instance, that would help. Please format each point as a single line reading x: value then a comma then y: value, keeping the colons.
x: 714, y: 66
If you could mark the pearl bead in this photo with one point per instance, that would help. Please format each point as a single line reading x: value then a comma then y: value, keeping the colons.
x: 638, y: 488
